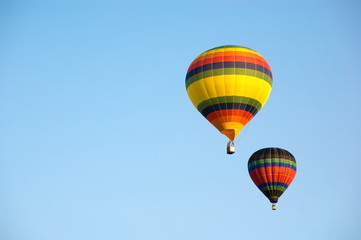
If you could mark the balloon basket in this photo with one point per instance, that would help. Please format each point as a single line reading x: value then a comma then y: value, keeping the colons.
x: 231, y: 148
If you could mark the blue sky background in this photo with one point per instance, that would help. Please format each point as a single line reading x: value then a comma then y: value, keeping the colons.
x: 98, y: 139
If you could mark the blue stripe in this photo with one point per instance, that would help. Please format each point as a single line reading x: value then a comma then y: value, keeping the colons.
x: 271, y: 164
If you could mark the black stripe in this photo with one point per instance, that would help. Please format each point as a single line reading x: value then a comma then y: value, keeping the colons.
x: 273, y: 195
x: 271, y: 153
x: 219, y: 65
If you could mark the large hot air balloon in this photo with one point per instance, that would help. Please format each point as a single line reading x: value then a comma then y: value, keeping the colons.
x: 272, y: 170
x: 229, y: 85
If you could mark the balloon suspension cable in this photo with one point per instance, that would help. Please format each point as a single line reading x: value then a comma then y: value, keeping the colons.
x: 274, y: 207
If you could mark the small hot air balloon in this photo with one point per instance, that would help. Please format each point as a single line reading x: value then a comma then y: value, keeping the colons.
x: 229, y: 85
x: 272, y: 170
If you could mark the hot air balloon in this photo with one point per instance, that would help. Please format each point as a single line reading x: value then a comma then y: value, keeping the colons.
x: 272, y: 170
x: 229, y: 85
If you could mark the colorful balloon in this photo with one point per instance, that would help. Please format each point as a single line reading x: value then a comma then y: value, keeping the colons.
x: 272, y: 170
x: 229, y: 85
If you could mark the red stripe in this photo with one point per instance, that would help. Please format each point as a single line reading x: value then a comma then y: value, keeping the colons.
x: 272, y: 174
x: 229, y: 56
x: 230, y: 115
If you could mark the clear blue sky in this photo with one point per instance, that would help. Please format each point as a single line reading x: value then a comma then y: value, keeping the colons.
x: 98, y: 139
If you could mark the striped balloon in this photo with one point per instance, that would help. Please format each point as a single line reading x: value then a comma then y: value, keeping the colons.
x: 272, y: 170
x: 229, y: 85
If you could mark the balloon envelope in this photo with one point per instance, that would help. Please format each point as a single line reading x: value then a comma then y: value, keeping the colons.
x: 229, y: 85
x: 272, y: 170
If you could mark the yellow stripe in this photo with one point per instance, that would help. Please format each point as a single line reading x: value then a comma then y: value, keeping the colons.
x: 230, y: 49
x: 229, y: 85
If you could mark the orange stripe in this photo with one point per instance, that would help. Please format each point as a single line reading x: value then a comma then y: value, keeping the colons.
x: 201, y: 62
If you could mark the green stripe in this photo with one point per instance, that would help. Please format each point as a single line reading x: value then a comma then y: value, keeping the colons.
x: 270, y: 160
x: 229, y: 99
x: 228, y: 71
x: 229, y: 46
x: 273, y: 188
